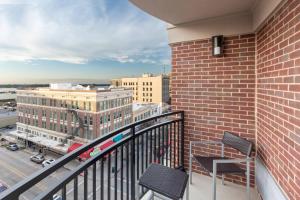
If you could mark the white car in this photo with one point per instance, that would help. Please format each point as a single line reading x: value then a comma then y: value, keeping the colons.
x: 48, y: 162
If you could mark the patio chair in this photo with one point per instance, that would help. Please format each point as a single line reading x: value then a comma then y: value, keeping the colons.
x: 221, y: 165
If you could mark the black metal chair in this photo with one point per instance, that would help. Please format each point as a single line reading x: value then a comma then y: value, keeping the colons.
x: 222, y: 165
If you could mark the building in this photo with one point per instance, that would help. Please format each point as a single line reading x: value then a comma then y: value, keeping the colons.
x: 64, y: 112
x: 146, y: 89
x: 143, y: 111
x: 116, y: 82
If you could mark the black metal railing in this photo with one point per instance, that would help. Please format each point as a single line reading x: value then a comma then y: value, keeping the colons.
x: 113, y: 172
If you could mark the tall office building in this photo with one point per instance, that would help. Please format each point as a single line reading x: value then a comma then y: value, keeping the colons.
x: 64, y: 112
x: 147, y: 89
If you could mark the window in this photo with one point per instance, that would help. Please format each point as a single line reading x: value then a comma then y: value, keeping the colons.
x: 91, y: 121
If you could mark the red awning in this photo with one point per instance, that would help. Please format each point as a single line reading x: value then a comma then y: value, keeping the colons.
x: 106, y: 144
x: 84, y: 155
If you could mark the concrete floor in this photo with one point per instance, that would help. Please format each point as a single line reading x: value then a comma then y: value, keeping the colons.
x: 201, y: 190
x: 202, y: 186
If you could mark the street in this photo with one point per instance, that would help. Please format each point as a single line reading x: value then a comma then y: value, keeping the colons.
x: 16, y: 166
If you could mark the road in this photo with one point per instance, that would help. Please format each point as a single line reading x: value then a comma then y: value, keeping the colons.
x: 15, y: 166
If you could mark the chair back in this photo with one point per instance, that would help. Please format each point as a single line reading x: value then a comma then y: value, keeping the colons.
x: 242, y: 145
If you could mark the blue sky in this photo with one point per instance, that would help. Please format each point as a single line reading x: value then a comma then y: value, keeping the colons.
x: 45, y: 41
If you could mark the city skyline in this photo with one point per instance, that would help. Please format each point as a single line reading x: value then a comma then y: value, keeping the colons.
x: 42, y: 41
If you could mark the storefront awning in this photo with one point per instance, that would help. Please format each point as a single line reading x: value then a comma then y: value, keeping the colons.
x: 85, y: 155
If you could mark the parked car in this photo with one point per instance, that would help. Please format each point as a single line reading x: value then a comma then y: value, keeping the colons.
x: 48, y: 162
x: 12, y: 147
x: 9, y: 127
x: 38, y: 158
x: 57, y: 197
x: 2, y: 187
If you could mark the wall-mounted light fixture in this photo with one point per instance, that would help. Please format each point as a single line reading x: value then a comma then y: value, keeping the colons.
x: 217, y: 45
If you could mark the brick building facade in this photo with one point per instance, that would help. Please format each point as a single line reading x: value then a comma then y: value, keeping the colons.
x: 253, y: 91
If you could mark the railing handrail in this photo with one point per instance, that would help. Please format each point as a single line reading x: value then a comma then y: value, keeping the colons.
x: 15, y: 191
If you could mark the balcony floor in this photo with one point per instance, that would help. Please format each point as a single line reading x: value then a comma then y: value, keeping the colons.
x: 201, y: 190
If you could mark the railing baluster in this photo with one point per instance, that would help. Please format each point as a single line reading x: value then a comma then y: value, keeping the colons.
x: 127, y: 171
x: 138, y: 157
x: 64, y: 192
x: 85, y: 185
x: 174, y: 144
x: 122, y: 163
x: 102, y: 179
x: 142, y: 164
x: 182, y: 138
x: 108, y: 176
x: 178, y: 145
x: 147, y: 151
x: 116, y: 174
x: 163, y: 144
x: 151, y: 147
x: 133, y: 164
x: 155, y: 147
x: 159, y: 146
x: 94, y: 181
x: 170, y: 145
x: 167, y: 144
x: 75, y: 188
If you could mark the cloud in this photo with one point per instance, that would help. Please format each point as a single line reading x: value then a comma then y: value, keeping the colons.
x: 79, y: 31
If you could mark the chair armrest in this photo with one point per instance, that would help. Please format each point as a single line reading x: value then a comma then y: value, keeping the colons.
x: 231, y: 161
x: 205, y: 142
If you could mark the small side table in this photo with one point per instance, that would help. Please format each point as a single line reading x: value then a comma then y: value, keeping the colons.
x: 165, y: 181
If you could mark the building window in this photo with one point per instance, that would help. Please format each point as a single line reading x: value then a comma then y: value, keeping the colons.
x: 91, y: 121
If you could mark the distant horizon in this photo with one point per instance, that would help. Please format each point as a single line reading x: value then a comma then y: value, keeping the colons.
x: 71, y: 80
x: 42, y: 41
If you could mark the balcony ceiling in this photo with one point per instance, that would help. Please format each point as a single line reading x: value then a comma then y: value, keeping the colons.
x: 182, y: 11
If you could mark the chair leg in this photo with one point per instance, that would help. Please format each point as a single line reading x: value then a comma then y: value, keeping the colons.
x: 138, y: 191
x: 187, y: 193
x: 214, y: 182
x: 223, y: 183
x: 248, y: 180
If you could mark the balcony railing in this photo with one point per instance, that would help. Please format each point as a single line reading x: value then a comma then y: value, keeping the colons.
x: 113, y: 172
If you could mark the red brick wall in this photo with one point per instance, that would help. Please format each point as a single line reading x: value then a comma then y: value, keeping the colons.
x: 278, y: 97
x: 217, y: 94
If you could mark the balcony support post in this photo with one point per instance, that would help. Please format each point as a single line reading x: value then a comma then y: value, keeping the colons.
x: 133, y: 163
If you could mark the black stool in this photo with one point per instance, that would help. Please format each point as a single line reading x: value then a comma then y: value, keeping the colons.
x: 165, y: 181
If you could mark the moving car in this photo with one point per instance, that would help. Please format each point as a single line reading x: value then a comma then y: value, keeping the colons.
x: 48, y: 162
x: 2, y: 187
x: 38, y: 158
x: 13, y: 147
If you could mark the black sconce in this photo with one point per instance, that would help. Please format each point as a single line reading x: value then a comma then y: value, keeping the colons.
x: 217, y: 45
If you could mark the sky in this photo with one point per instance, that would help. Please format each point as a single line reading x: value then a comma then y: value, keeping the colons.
x: 87, y: 41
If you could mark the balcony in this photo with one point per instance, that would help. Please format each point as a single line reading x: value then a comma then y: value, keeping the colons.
x: 113, y: 173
